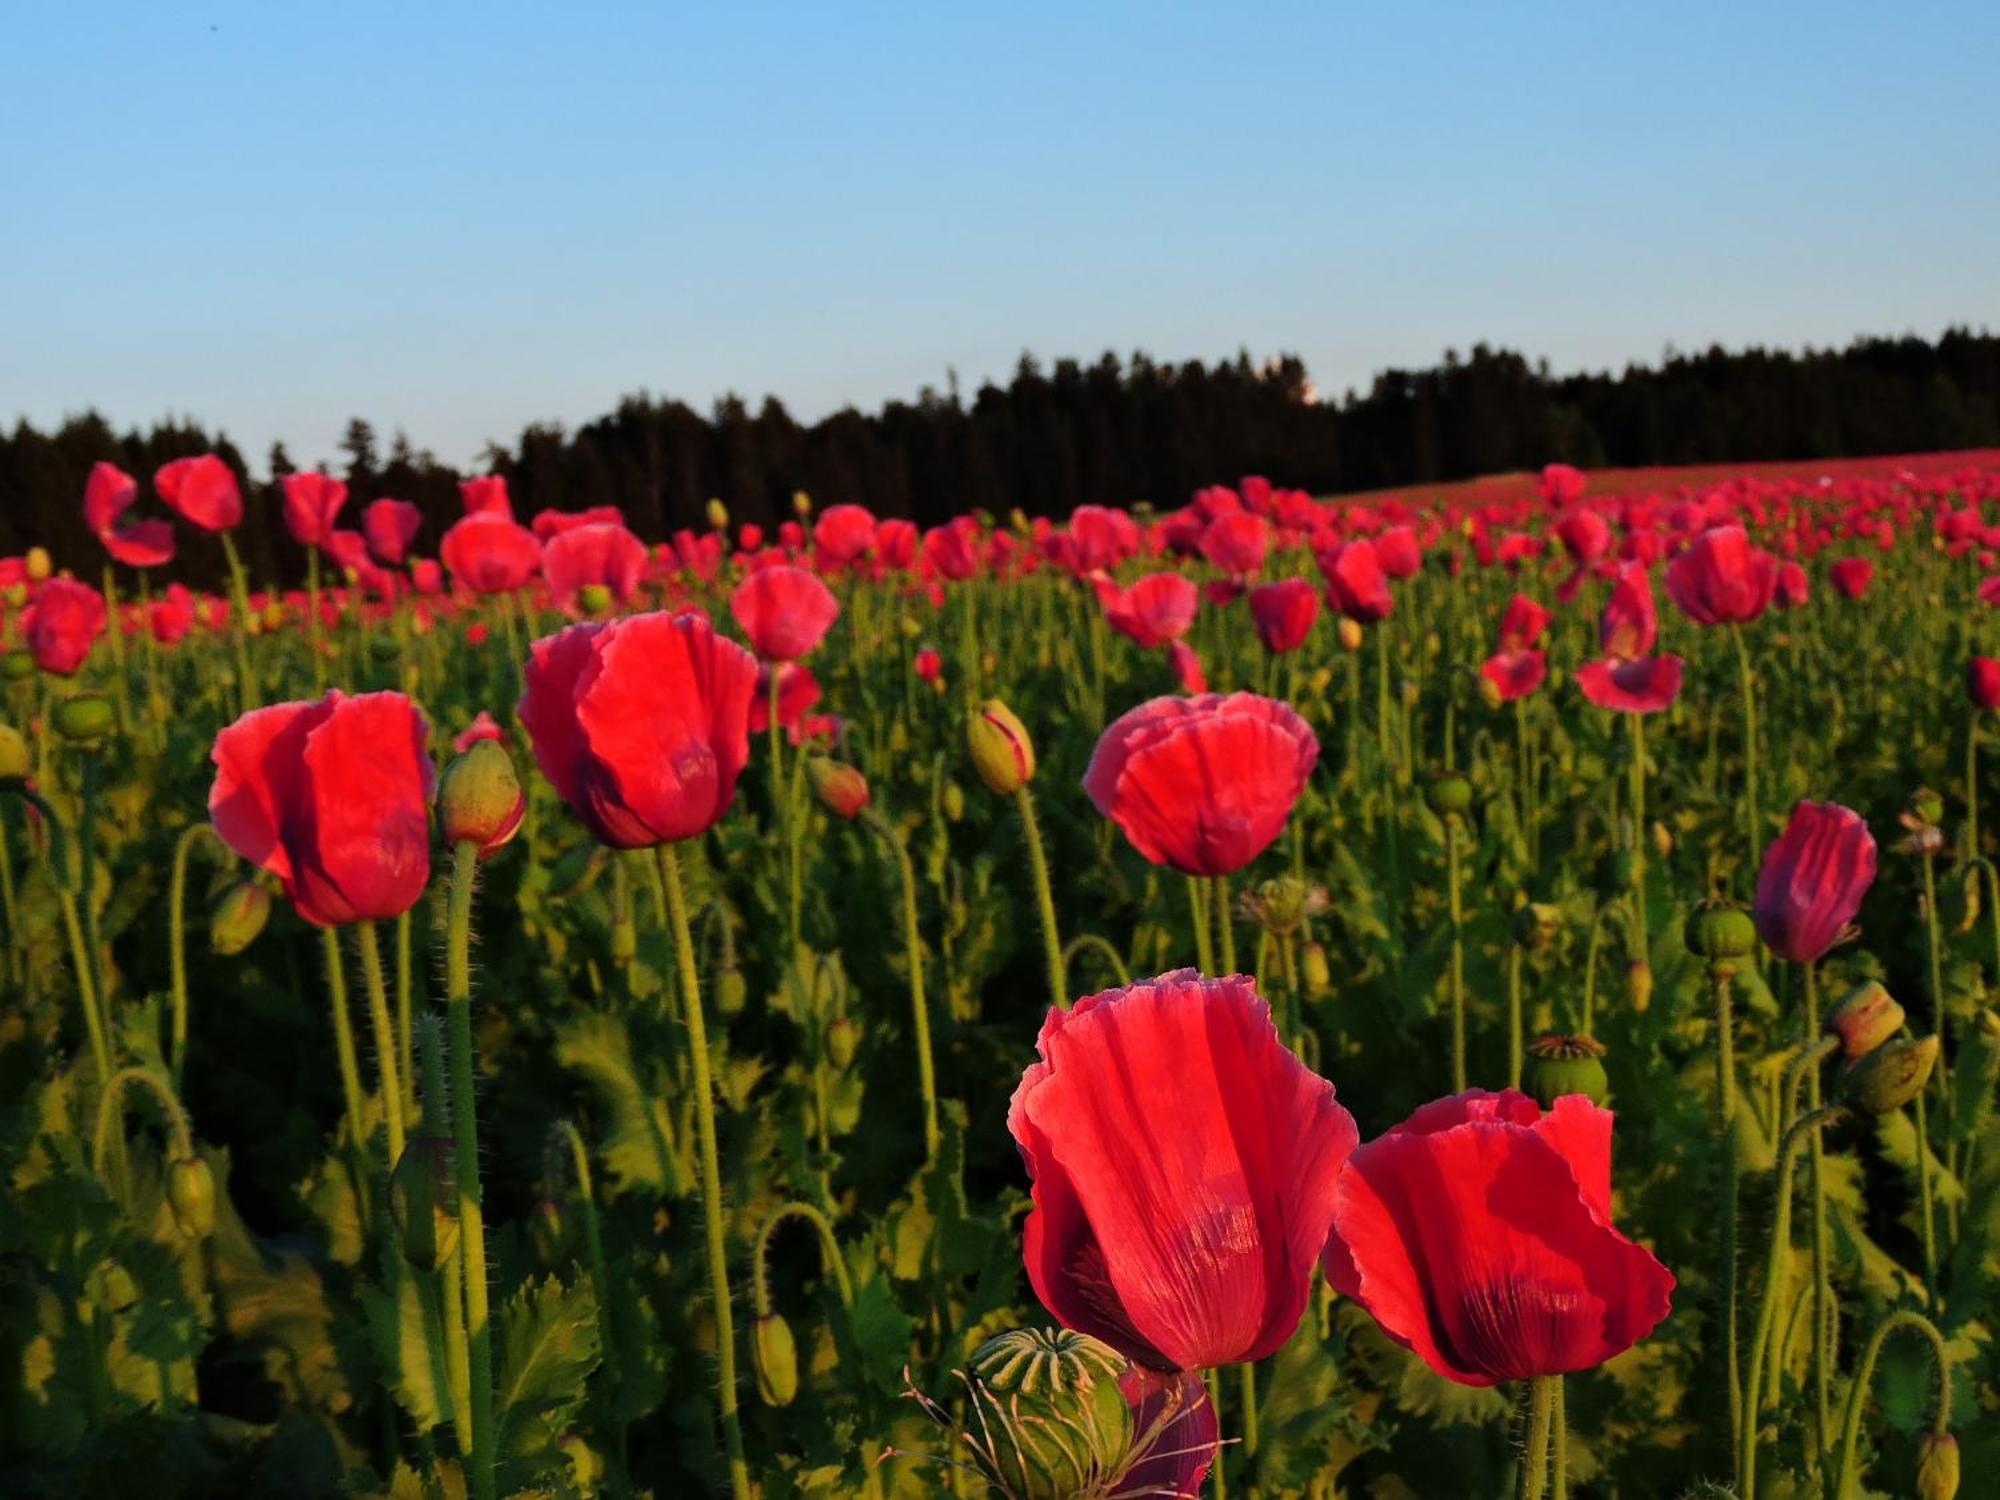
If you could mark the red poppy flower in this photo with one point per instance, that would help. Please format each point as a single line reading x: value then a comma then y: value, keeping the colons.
x: 1184, y: 1165
x: 952, y: 550
x: 843, y: 533
x: 786, y: 611
x: 1793, y: 586
x: 486, y: 494
x: 63, y: 624
x: 749, y: 537
x: 1202, y: 784
x: 1584, y: 534
x: 1155, y: 610
x: 1186, y: 662
x: 107, y: 494
x: 312, y: 500
x: 1515, y: 674
x: 1284, y: 613
x: 929, y: 665
x: 483, y: 727
x: 390, y: 526
x: 1814, y: 876
x: 1236, y: 542
x: 172, y: 617
x: 1645, y: 685
x: 550, y: 523
x: 1522, y: 626
x: 202, y: 490
x: 1356, y: 585
x: 1852, y: 575
x: 1982, y: 681
x: 798, y: 691
x: 1561, y: 484
x: 1629, y: 625
x: 1478, y: 1234
x: 334, y: 799
x: 642, y: 724
x: 489, y: 554
x: 426, y: 577
x: 1100, y: 538
x: 1398, y: 552
x: 593, y: 569
x: 896, y: 545
x: 1722, y: 578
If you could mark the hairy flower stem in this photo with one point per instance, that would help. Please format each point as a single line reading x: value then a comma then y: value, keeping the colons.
x: 1822, y: 1291
x: 1225, y: 927
x: 1457, y: 967
x: 465, y: 1154
x: 1725, y: 1125
x: 177, y: 943
x: 248, y: 692
x: 111, y: 1103
x: 451, y: 1275
x: 600, y: 1279
x: 920, y: 1019
x: 1935, y: 947
x: 1642, y: 949
x: 1038, y: 865
x: 711, y: 1167
x: 313, y: 621
x: 343, y: 1042
x: 63, y: 876
x: 386, y: 1044
x: 1847, y: 1478
x: 1204, y: 946
x: 1541, y: 1423
x: 1752, y: 813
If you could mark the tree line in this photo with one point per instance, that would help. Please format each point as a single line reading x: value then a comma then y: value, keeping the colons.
x: 1114, y: 431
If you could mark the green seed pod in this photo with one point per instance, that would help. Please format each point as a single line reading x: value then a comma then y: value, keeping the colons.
x: 238, y: 916
x: 774, y: 1355
x: 84, y: 719
x: 595, y: 600
x: 1280, y: 904
x: 1449, y: 792
x: 1563, y: 1065
x: 1720, y: 931
x: 731, y: 991
x: 1314, y: 969
x: 17, y: 762
x: 1892, y: 1075
x: 1536, y: 924
x: 191, y: 1196
x: 1937, y: 1467
x: 480, y: 799
x: 17, y: 666
x: 1002, y: 754
x: 423, y: 1197
x: 1864, y: 1018
x: 1060, y: 1427
x: 384, y: 650
x: 843, y: 1039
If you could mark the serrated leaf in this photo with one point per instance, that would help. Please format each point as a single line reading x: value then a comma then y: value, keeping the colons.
x: 548, y: 1347
x: 635, y: 1142
x: 408, y: 1339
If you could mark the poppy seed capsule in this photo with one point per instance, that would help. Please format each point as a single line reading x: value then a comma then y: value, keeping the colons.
x: 774, y: 1355
x: 480, y: 800
x: 1002, y: 754
x: 84, y: 719
x: 191, y: 1196
x: 595, y: 599
x: 841, y: 789
x: 1721, y: 931
x: 1927, y: 805
x: 1937, y: 1467
x: 1864, y: 1018
x: 424, y: 1202
x: 1449, y: 792
x: 1892, y: 1075
x: 1059, y: 1423
x: 1563, y: 1065
x: 239, y: 914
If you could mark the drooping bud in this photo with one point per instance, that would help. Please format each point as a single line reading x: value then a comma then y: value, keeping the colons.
x: 731, y: 991
x: 1449, y: 792
x: 17, y: 666
x: 841, y: 789
x: 843, y: 1039
x: 191, y: 1196
x: 424, y: 1201
x: 1864, y: 1018
x: 1002, y: 754
x: 17, y: 762
x: 1536, y: 924
x: 1892, y: 1075
x: 545, y: 1231
x: 237, y: 916
x: 774, y: 1355
x: 84, y: 719
x: 480, y: 800
x: 718, y: 513
x: 38, y: 564
x: 1349, y: 631
x: 1718, y: 930
x: 1937, y: 1467
x: 1561, y: 1065
x: 1639, y: 985
x: 1048, y: 1402
x: 384, y: 650
x: 1315, y: 971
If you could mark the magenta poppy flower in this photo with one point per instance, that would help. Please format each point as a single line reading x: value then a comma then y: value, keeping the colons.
x: 62, y: 624
x: 486, y: 494
x: 107, y: 495
x: 785, y: 611
x: 312, y: 501
x: 1356, y: 585
x: 1852, y: 575
x: 201, y: 490
x: 1722, y: 578
x: 1236, y: 542
x: 489, y: 554
x: 1812, y: 881
x: 1155, y: 610
x: 593, y: 569
x: 1982, y: 682
x: 390, y: 526
x: 1284, y: 613
x: 842, y: 534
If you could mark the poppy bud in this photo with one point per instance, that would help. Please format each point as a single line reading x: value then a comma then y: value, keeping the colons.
x: 1349, y: 632
x: 1663, y: 840
x: 1892, y: 1075
x: 1937, y: 1467
x: 1320, y: 681
x: 1927, y: 805
x: 842, y: 790
x: 1864, y: 1018
x: 954, y: 802
x: 1562, y: 1065
x: 802, y: 505
x: 84, y: 719
x: 1002, y: 754
x: 718, y: 514
x: 1449, y: 792
x: 731, y: 991
x: 1316, y: 972
x: 424, y: 1202
x: 480, y: 799
x: 774, y: 1355
x: 17, y: 764
x: 1282, y: 903
x: 1489, y: 692
x: 17, y: 666
x: 545, y: 1231
x: 1536, y: 924
x: 1639, y: 986
x: 191, y: 1196
x: 843, y: 1037
x: 1050, y: 1400
x: 274, y: 616
x: 624, y: 941
x: 1718, y: 930
x: 384, y: 650
x: 237, y: 916
x: 38, y: 564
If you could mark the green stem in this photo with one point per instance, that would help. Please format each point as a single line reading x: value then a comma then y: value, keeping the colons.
x: 251, y: 695
x: 1204, y: 955
x: 405, y: 1015
x: 1038, y: 864
x: 1457, y: 967
x: 313, y: 627
x: 1541, y: 1421
x: 1847, y: 1477
x: 600, y: 1279
x: 1516, y: 1045
x: 920, y: 1019
x: 1225, y: 926
x: 451, y: 1275
x: 465, y: 1155
x: 711, y: 1171
x: 1559, y: 1443
x: 110, y: 1104
x: 1102, y: 947
x: 343, y: 1040
x: 1246, y: 1375
x: 1748, y: 683
x: 1641, y: 938
x: 386, y: 1045
x: 1822, y: 1290
x: 177, y: 943
x: 1725, y: 1125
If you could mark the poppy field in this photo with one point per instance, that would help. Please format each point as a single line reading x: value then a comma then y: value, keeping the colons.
x: 1485, y: 991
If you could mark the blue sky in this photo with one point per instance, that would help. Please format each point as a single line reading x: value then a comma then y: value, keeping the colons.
x: 457, y: 219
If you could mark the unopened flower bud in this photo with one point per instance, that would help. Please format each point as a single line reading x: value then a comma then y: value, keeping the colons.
x: 1663, y: 840
x: 841, y: 789
x: 84, y: 719
x: 545, y: 1231
x: 17, y: 666
x: 731, y: 991
x: 1864, y: 1018
x: 1449, y: 792
x: 1937, y: 1467
x: 1489, y: 693
x: 1892, y: 1075
x: 1002, y: 754
x: 1536, y: 924
x: 1720, y: 931
x: 843, y: 1038
x: 424, y: 1200
x: 191, y: 1196
x: 802, y: 505
x: 774, y: 1355
x: 1349, y: 632
x: 624, y: 941
x: 38, y: 564
x: 1562, y: 1065
x: 1927, y: 805
x: 384, y: 650
x: 1315, y: 971
x: 274, y: 617
x: 480, y: 799
x: 17, y: 762
x: 237, y: 916
x: 954, y: 802
x: 1639, y: 986
x: 718, y: 513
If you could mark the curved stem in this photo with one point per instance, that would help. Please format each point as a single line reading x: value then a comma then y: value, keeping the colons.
x: 1847, y: 1479
x: 177, y: 942
x: 829, y: 1253
x: 110, y: 1104
x: 920, y: 1018
x: 1038, y: 864
x: 465, y: 1156
x: 1100, y: 946
x: 711, y: 1171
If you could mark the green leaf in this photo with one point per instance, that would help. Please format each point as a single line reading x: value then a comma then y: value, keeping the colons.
x: 409, y: 1346
x: 636, y: 1141
x: 548, y: 1347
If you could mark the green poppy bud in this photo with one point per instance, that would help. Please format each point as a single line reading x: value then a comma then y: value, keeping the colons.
x: 480, y: 800
x: 1864, y: 1018
x: 1927, y: 805
x: 1937, y: 1467
x: 1049, y: 1398
x: 545, y: 1231
x: 17, y: 666
x: 774, y: 1355
x: 423, y: 1198
x: 1562, y: 1065
x: 238, y: 916
x: 1721, y: 931
x: 843, y: 1039
x: 1316, y: 972
x: 731, y: 991
x: 17, y: 762
x: 624, y: 941
x: 1892, y: 1075
x: 718, y: 514
x: 954, y: 802
x: 840, y: 788
x: 1449, y: 792
x: 84, y: 719
x: 191, y: 1196
x: 384, y: 650
x: 1639, y: 986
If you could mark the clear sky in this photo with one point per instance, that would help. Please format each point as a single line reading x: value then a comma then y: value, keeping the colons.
x: 459, y: 218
